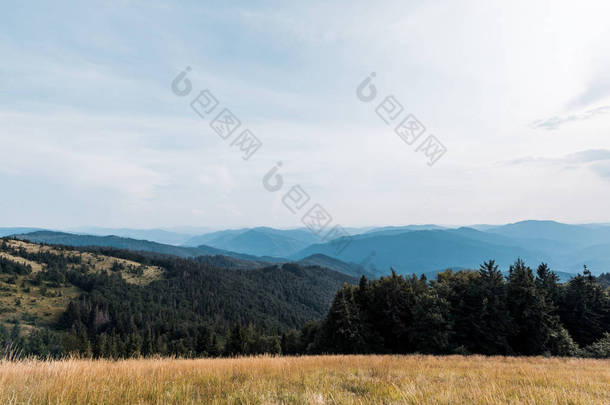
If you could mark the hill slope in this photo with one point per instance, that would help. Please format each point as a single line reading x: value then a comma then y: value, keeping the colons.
x: 69, y: 239
x: 38, y: 283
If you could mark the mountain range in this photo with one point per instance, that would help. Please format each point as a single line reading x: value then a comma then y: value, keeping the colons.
x: 419, y: 249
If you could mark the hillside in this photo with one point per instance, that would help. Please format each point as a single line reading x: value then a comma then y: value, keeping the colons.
x: 69, y: 239
x: 122, y: 294
x: 76, y: 240
x: 33, y: 279
x: 352, y: 269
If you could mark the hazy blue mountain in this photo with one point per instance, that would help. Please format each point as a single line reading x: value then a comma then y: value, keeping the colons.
x: 220, y: 236
x: 408, y: 249
x: 328, y: 262
x: 153, y: 235
x: 394, y: 230
x: 189, y: 230
x: 545, y: 248
x: 566, y: 248
x: 421, y: 251
x: 258, y: 241
x: 68, y: 239
x: 493, y: 238
x: 483, y: 227
x: 573, y: 235
x: 16, y: 231
x: 596, y: 257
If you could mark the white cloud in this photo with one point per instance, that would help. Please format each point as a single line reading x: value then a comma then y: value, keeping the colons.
x: 95, y: 112
x: 554, y: 123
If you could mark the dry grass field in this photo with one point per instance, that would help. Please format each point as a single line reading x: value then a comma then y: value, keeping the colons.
x: 309, y: 380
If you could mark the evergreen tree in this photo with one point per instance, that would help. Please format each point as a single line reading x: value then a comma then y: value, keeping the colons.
x: 531, y: 311
x: 585, y: 309
x: 342, y: 327
x: 547, y: 282
x: 236, y: 342
x: 100, y: 349
x: 494, y: 323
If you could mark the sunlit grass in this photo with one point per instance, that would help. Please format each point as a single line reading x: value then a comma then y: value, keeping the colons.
x: 307, y: 380
x: 23, y: 301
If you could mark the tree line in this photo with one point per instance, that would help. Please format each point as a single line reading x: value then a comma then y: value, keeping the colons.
x: 198, y: 309
x: 467, y: 312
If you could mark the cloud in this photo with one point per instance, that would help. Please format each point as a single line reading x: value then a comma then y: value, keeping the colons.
x: 598, y: 89
x: 86, y: 108
x: 588, y: 156
x: 555, y: 122
x: 602, y: 170
x: 596, y: 160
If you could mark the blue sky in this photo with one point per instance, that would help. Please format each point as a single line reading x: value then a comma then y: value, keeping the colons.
x: 92, y: 134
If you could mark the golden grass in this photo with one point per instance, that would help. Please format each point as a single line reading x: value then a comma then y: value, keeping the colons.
x: 17, y: 302
x: 36, y: 267
x: 96, y: 262
x: 309, y: 380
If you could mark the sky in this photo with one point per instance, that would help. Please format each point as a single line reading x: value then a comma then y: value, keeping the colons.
x: 92, y: 132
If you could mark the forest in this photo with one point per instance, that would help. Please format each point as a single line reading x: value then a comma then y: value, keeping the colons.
x: 197, y: 309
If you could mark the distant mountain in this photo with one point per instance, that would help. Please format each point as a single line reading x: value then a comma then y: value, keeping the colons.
x: 218, y: 235
x: 596, y: 257
x: 328, y: 262
x: 153, y: 235
x: 258, y: 241
x: 421, y: 251
x: 68, y: 239
x: 574, y: 235
x: 16, y: 231
x: 394, y: 230
x: 408, y: 249
x: 566, y: 248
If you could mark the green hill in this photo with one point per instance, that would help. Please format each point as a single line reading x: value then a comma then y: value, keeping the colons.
x: 71, y: 296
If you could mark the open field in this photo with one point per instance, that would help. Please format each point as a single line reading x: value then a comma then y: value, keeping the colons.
x: 309, y: 380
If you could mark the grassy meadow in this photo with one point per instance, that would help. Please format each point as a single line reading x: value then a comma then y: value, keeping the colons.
x: 309, y: 380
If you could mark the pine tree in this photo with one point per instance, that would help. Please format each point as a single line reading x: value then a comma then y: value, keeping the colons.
x: 534, y: 323
x: 236, y: 342
x: 494, y: 322
x: 342, y: 326
x: 100, y: 348
x: 547, y: 282
x: 147, y: 344
x: 585, y: 309
x: 15, y: 336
